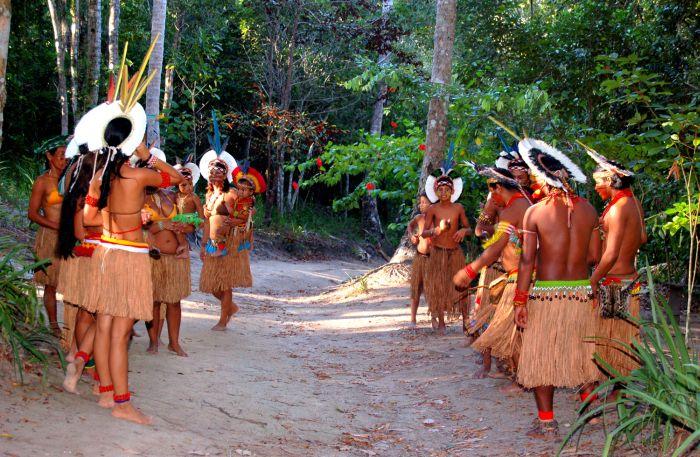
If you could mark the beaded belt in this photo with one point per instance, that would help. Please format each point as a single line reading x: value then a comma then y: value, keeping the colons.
x: 578, y: 290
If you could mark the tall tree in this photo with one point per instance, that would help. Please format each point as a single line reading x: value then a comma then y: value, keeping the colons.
x: 74, y: 48
x: 5, y: 17
x: 94, y: 51
x: 57, y: 11
x: 436, y: 137
x: 370, y: 211
x: 170, y: 69
x: 113, y: 34
x: 155, y: 66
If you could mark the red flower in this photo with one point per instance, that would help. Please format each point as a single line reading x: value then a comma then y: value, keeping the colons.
x: 421, y: 147
x: 393, y: 124
x: 295, y: 185
x: 369, y: 186
x: 319, y: 162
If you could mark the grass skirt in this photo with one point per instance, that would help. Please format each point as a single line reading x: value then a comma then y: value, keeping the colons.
x: 229, y: 271
x: 502, y: 335
x: 171, y: 278
x: 418, y: 275
x: 72, y: 278
x: 484, y: 306
x: 440, y: 292
x: 610, y: 331
x: 70, y: 313
x: 556, y: 348
x: 121, y: 284
x: 45, y: 248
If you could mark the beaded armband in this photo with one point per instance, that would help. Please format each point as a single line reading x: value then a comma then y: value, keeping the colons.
x: 91, y: 201
x: 520, y: 298
x: 152, y: 161
x: 165, y: 180
x: 485, y: 219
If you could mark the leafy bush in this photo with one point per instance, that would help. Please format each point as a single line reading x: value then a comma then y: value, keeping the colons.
x: 23, y: 330
x: 658, y: 402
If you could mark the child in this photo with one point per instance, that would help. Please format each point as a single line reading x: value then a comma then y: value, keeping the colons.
x: 415, y: 228
x: 154, y: 212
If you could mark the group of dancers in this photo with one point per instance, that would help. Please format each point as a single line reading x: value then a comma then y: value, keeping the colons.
x: 114, y: 219
x: 557, y: 282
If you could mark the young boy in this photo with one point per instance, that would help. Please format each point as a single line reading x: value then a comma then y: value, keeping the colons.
x: 446, y: 225
x: 415, y: 228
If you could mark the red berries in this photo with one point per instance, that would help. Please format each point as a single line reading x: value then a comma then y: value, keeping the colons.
x: 319, y: 162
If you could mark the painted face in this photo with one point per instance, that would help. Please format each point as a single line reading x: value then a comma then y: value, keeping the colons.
x: 245, y: 188
x: 602, y: 185
x: 522, y: 176
x: 495, y: 195
x: 58, y: 158
x: 444, y: 192
x: 217, y: 174
x: 423, y: 204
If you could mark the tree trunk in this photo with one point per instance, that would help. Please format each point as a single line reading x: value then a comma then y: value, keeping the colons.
x: 94, y: 52
x: 436, y: 138
x: 370, y: 209
x: 113, y: 34
x: 57, y: 13
x: 155, y: 65
x: 170, y: 69
x: 295, y: 197
x: 74, y: 45
x: 5, y: 17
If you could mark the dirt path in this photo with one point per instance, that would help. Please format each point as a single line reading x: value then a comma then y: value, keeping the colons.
x: 299, y: 373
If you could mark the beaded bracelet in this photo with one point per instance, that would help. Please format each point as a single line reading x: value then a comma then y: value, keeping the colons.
x: 152, y: 161
x: 520, y: 298
x: 91, y: 201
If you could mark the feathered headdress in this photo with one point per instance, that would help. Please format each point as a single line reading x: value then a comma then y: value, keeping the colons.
x: 217, y: 155
x: 607, y: 164
x: 122, y: 102
x: 534, y: 152
x: 246, y: 172
x: 492, y: 175
x: 432, y: 183
x: 188, y: 168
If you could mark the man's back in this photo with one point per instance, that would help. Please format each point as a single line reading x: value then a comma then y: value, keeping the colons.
x: 563, y: 249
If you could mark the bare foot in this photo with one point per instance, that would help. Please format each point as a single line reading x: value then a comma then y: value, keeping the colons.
x: 234, y: 310
x: 511, y: 388
x: 96, y: 388
x: 152, y: 348
x: 498, y: 375
x: 440, y: 330
x: 106, y: 400
x: 219, y: 327
x: 73, y: 372
x: 135, y: 334
x: 126, y: 411
x: 177, y: 349
x: 70, y: 357
x: 480, y: 374
x: 434, y: 323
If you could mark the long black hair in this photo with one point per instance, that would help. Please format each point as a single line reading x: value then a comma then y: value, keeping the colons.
x: 116, y: 132
x: 81, y: 171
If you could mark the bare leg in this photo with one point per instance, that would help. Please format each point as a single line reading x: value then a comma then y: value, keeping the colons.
x: 232, y: 307
x: 101, y: 356
x: 161, y: 323
x: 119, y: 367
x: 441, y: 324
x: 174, y: 317
x: 82, y: 322
x: 152, y: 328
x: 486, y: 365
x: 74, y: 370
x: 414, y: 304
x: 50, y: 305
x: 225, y: 296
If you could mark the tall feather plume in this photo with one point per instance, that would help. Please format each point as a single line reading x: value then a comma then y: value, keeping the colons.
x: 448, y: 163
x: 130, y: 90
x: 215, y: 141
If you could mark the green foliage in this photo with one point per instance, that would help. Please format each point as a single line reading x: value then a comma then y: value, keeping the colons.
x: 23, y: 329
x: 659, y: 399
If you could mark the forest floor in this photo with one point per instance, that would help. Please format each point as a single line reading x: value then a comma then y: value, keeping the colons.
x: 305, y: 369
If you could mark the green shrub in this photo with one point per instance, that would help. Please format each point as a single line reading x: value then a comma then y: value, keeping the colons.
x: 23, y: 330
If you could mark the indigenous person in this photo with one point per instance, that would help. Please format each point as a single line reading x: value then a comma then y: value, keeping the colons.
x: 45, y: 210
x: 501, y: 338
x: 446, y: 225
x: 557, y: 315
x: 121, y: 290
x: 415, y: 228
x: 170, y: 272
x: 77, y: 239
x: 623, y: 232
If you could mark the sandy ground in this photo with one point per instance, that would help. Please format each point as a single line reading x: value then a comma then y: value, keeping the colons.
x: 301, y: 372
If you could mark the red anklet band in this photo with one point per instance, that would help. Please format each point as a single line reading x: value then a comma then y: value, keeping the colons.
x: 122, y: 398
x: 105, y: 389
x: 82, y: 355
x: 545, y: 415
x: 96, y: 376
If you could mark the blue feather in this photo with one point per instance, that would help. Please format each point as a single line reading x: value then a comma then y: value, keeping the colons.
x: 506, y: 146
x: 448, y: 163
x: 245, y: 166
x: 215, y: 142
